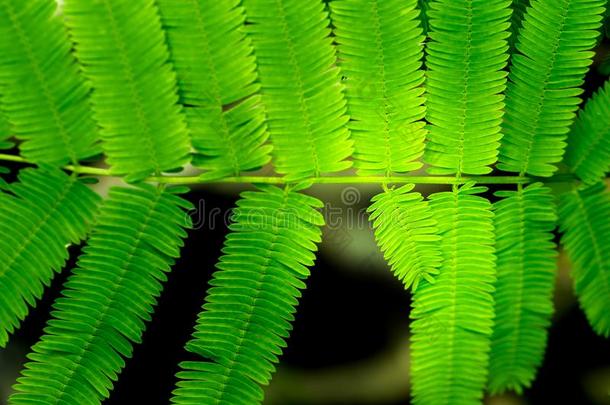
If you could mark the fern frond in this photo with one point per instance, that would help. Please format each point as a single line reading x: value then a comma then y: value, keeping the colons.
x: 43, y: 93
x: 453, y: 318
x: 248, y: 311
x: 39, y: 216
x: 407, y: 234
x: 301, y: 90
x: 107, y: 300
x: 588, y: 152
x: 554, y: 53
x: 216, y: 73
x: 526, y: 265
x: 584, y: 223
x: 467, y: 52
x: 380, y: 54
x: 122, y: 49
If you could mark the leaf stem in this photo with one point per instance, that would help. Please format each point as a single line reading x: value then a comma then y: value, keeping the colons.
x: 399, y: 179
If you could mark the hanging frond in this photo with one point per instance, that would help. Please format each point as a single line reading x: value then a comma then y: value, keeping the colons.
x: 301, y: 90
x: 453, y: 318
x: 216, y: 73
x: 39, y: 216
x: 554, y: 53
x: 122, y: 49
x: 247, y: 314
x: 407, y: 234
x: 588, y: 152
x: 526, y: 265
x: 380, y: 54
x: 519, y: 9
x: 43, y: 93
x: 466, y: 57
x: 583, y: 216
x: 107, y: 300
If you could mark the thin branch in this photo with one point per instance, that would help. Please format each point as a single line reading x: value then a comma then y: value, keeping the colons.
x: 401, y: 179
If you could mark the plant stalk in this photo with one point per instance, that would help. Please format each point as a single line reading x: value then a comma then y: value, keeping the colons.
x: 399, y: 179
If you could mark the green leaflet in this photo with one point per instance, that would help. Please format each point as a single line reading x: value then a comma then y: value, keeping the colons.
x: 407, y: 234
x: 466, y: 57
x: 584, y: 223
x: 453, y: 318
x: 122, y: 50
x: 248, y: 310
x: 43, y: 92
x: 107, y: 300
x: 217, y: 80
x: 526, y: 265
x: 5, y: 143
x: 519, y: 9
x: 4, y: 124
x: 380, y: 54
x: 39, y: 216
x: 588, y: 152
x: 300, y: 85
x: 554, y: 53
x: 5, y: 130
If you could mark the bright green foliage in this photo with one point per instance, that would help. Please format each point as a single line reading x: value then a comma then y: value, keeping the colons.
x: 43, y: 93
x: 467, y: 54
x: 107, y: 300
x: 380, y: 54
x: 216, y: 76
x: 4, y: 125
x: 5, y: 131
x: 5, y: 143
x: 301, y: 89
x: 588, y: 152
x: 519, y: 9
x: 39, y: 216
x: 249, y: 307
x: 554, y: 53
x: 584, y: 223
x: 256, y: 75
x: 526, y: 266
x: 122, y: 50
x: 407, y: 234
x: 453, y: 318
